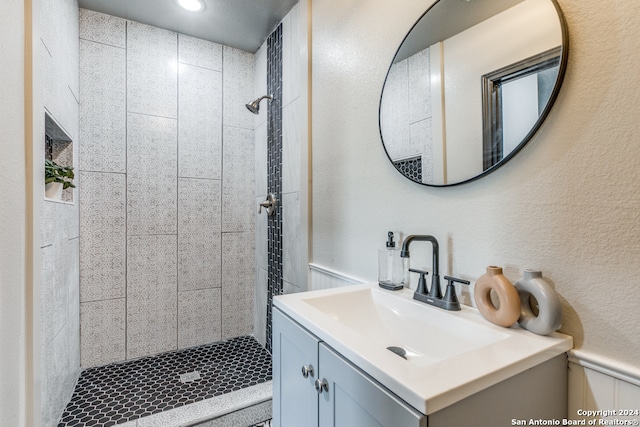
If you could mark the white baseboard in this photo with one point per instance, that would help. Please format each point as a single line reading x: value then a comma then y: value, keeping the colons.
x: 325, y: 278
x: 604, y: 365
x: 599, y: 383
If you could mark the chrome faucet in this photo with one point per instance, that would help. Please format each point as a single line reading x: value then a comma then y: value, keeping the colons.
x: 433, y: 296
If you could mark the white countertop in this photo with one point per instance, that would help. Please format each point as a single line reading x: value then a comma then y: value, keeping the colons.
x: 451, y: 354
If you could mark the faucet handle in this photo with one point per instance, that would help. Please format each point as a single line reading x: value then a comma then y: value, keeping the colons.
x: 450, y: 296
x: 422, y: 282
x: 455, y: 279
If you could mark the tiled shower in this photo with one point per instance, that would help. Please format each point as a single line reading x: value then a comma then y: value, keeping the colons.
x: 169, y: 166
x: 166, y: 190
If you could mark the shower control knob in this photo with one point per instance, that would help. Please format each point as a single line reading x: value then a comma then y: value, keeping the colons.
x: 321, y: 385
x: 270, y: 204
x: 307, y: 370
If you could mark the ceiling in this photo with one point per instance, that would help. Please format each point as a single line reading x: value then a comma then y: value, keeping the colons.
x: 243, y: 24
x: 447, y: 18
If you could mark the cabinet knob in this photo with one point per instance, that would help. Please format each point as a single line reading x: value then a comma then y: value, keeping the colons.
x: 321, y: 385
x: 307, y: 370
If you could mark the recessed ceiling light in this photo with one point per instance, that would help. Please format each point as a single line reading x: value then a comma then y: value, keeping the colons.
x: 191, y: 5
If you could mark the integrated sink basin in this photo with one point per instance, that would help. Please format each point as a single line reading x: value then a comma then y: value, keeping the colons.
x: 429, y: 357
x: 385, y: 320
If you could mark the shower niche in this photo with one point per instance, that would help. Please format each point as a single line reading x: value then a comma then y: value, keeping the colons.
x: 58, y: 148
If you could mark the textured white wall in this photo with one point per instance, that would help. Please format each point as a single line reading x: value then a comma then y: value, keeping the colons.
x: 12, y: 216
x: 568, y: 203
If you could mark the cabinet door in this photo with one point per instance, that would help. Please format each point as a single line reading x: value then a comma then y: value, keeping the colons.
x: 295, y: 400
x: 353, y: 399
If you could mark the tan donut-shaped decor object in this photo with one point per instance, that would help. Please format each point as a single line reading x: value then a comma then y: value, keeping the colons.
x: 509, y: 308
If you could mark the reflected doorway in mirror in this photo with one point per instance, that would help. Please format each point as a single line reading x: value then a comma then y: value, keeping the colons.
x: 514, y: 98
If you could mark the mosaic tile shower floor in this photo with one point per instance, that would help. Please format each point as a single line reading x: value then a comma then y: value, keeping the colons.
x: 121, y: 392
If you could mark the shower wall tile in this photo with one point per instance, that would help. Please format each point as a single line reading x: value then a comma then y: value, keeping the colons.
x: 73, y: 314
x: 59, y: 325
x: 60, y: 36
x: 102, y: 107
x: 394, y: 113
x: 151, y: 175
x: 200, y: 123
x: 421, y: 140
x: 199, y: 238
x: 199, y: 205
x: 152, y: 70
x: 238, y: 270
x: 198, y: 52
x: 102, y: 235
x: 291, y: 238
x: 422, y: 144
x: 67, y: 254
x: 59, y: 221
x: 419, y: 86
x: 289, y: 288
x: 291, y: 65
x: 238, y: 87
x: 262, y: 254
x: 71, y: 39
x: 261, y: 160
x: 260, y: 306
x: 274, y: 148
x: 291, y: 147
x: 58, y: 377
x: 238, y: 184
x: 151, y: 295
x: 47, y: 75
x: 54, y: 294
x: 47, y: 27
x: 103, y: 332
x: 102, y: 28
x: 199, y: 261
x: 62, y: 105
x: 199, y: 317
x: 260, y: 58
x: 67, y: 273
x: 59, y: 269
x: 152, y: 189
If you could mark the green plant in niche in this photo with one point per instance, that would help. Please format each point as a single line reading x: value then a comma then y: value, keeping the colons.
x: 53, y: 172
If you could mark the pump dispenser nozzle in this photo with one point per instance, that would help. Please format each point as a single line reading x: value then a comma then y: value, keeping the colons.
x: 390, y: 242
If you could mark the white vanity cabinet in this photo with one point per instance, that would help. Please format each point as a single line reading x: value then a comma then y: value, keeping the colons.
x: 295, y: 400
x: 333, y: 393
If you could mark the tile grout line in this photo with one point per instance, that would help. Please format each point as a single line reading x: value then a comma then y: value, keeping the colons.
x: 126, y: 190
x: 221, y: 200
x: 177, y: 191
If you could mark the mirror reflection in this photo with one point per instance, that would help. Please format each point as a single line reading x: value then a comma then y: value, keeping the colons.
x: 468, y: 87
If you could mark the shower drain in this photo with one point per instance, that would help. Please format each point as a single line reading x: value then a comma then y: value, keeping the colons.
x: 190, y: 377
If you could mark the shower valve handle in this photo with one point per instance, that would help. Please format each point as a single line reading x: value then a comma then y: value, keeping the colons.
x: 270, y: 204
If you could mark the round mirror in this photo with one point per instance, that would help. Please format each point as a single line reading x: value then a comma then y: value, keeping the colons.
x: 469, y: 86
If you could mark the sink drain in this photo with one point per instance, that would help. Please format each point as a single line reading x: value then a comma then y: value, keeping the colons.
x: 399, y: 351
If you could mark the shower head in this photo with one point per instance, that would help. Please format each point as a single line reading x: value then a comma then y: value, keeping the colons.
x: 254, y: 106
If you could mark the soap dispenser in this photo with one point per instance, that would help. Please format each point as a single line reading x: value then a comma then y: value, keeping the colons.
x: 390, y: 274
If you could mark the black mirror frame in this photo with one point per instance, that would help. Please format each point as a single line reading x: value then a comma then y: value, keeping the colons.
x: 564, y: 55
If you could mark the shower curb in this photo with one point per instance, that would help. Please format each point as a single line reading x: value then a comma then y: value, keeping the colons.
x: 252, y: 404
